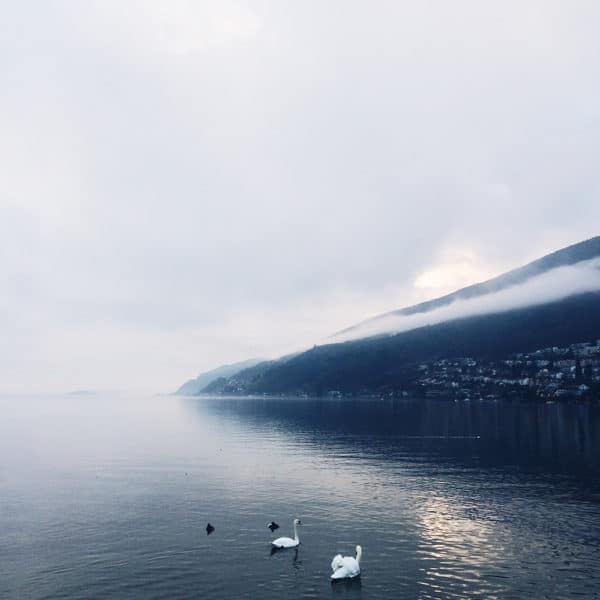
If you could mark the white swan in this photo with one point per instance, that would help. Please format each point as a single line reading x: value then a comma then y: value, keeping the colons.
x: 286, y: 542
x: 346, y: 567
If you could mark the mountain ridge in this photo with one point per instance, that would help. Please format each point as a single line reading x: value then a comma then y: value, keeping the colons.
x: 388, y: 361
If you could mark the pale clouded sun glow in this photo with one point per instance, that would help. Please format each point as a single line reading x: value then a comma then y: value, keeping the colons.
x: 455, y: 269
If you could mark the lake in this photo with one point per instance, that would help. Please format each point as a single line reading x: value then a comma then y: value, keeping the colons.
x: 108, y: 496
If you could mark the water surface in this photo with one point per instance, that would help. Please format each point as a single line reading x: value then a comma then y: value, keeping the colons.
x: 109, y: 496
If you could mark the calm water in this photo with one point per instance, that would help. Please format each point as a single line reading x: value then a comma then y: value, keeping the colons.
x: 108, y: 497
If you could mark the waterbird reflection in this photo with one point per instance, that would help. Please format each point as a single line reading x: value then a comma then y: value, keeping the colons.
x: 344, y: 587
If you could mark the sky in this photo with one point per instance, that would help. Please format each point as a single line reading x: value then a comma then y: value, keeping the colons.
x: 187, y: 184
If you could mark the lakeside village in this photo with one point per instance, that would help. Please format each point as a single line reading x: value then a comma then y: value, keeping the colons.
x: 549, y: 374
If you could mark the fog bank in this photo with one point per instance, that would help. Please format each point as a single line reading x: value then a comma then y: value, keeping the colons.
x: 548, y: 287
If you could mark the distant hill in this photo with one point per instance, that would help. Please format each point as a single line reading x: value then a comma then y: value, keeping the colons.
x: 195, y: 386
x: 388, y: 361
x: 240, y: 381
x: 243, y: 379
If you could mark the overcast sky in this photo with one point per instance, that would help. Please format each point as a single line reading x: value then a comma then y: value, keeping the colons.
x: 185, y: 184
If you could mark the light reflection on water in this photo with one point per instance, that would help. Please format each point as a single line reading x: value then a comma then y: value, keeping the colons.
x: 110, y: 496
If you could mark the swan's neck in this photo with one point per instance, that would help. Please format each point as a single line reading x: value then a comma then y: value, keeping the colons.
x: 358, y: 555
x: 295, y: 532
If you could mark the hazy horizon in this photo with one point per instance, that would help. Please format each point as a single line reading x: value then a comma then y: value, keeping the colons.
x: 185, y: 186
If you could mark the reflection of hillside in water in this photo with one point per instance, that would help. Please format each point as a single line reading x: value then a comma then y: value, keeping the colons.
x: 562, y: 438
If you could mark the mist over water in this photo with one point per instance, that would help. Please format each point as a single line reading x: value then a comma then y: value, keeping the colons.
x: 108, y: 496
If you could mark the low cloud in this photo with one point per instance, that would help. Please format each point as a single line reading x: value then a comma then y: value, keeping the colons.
x: 548, y: 287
